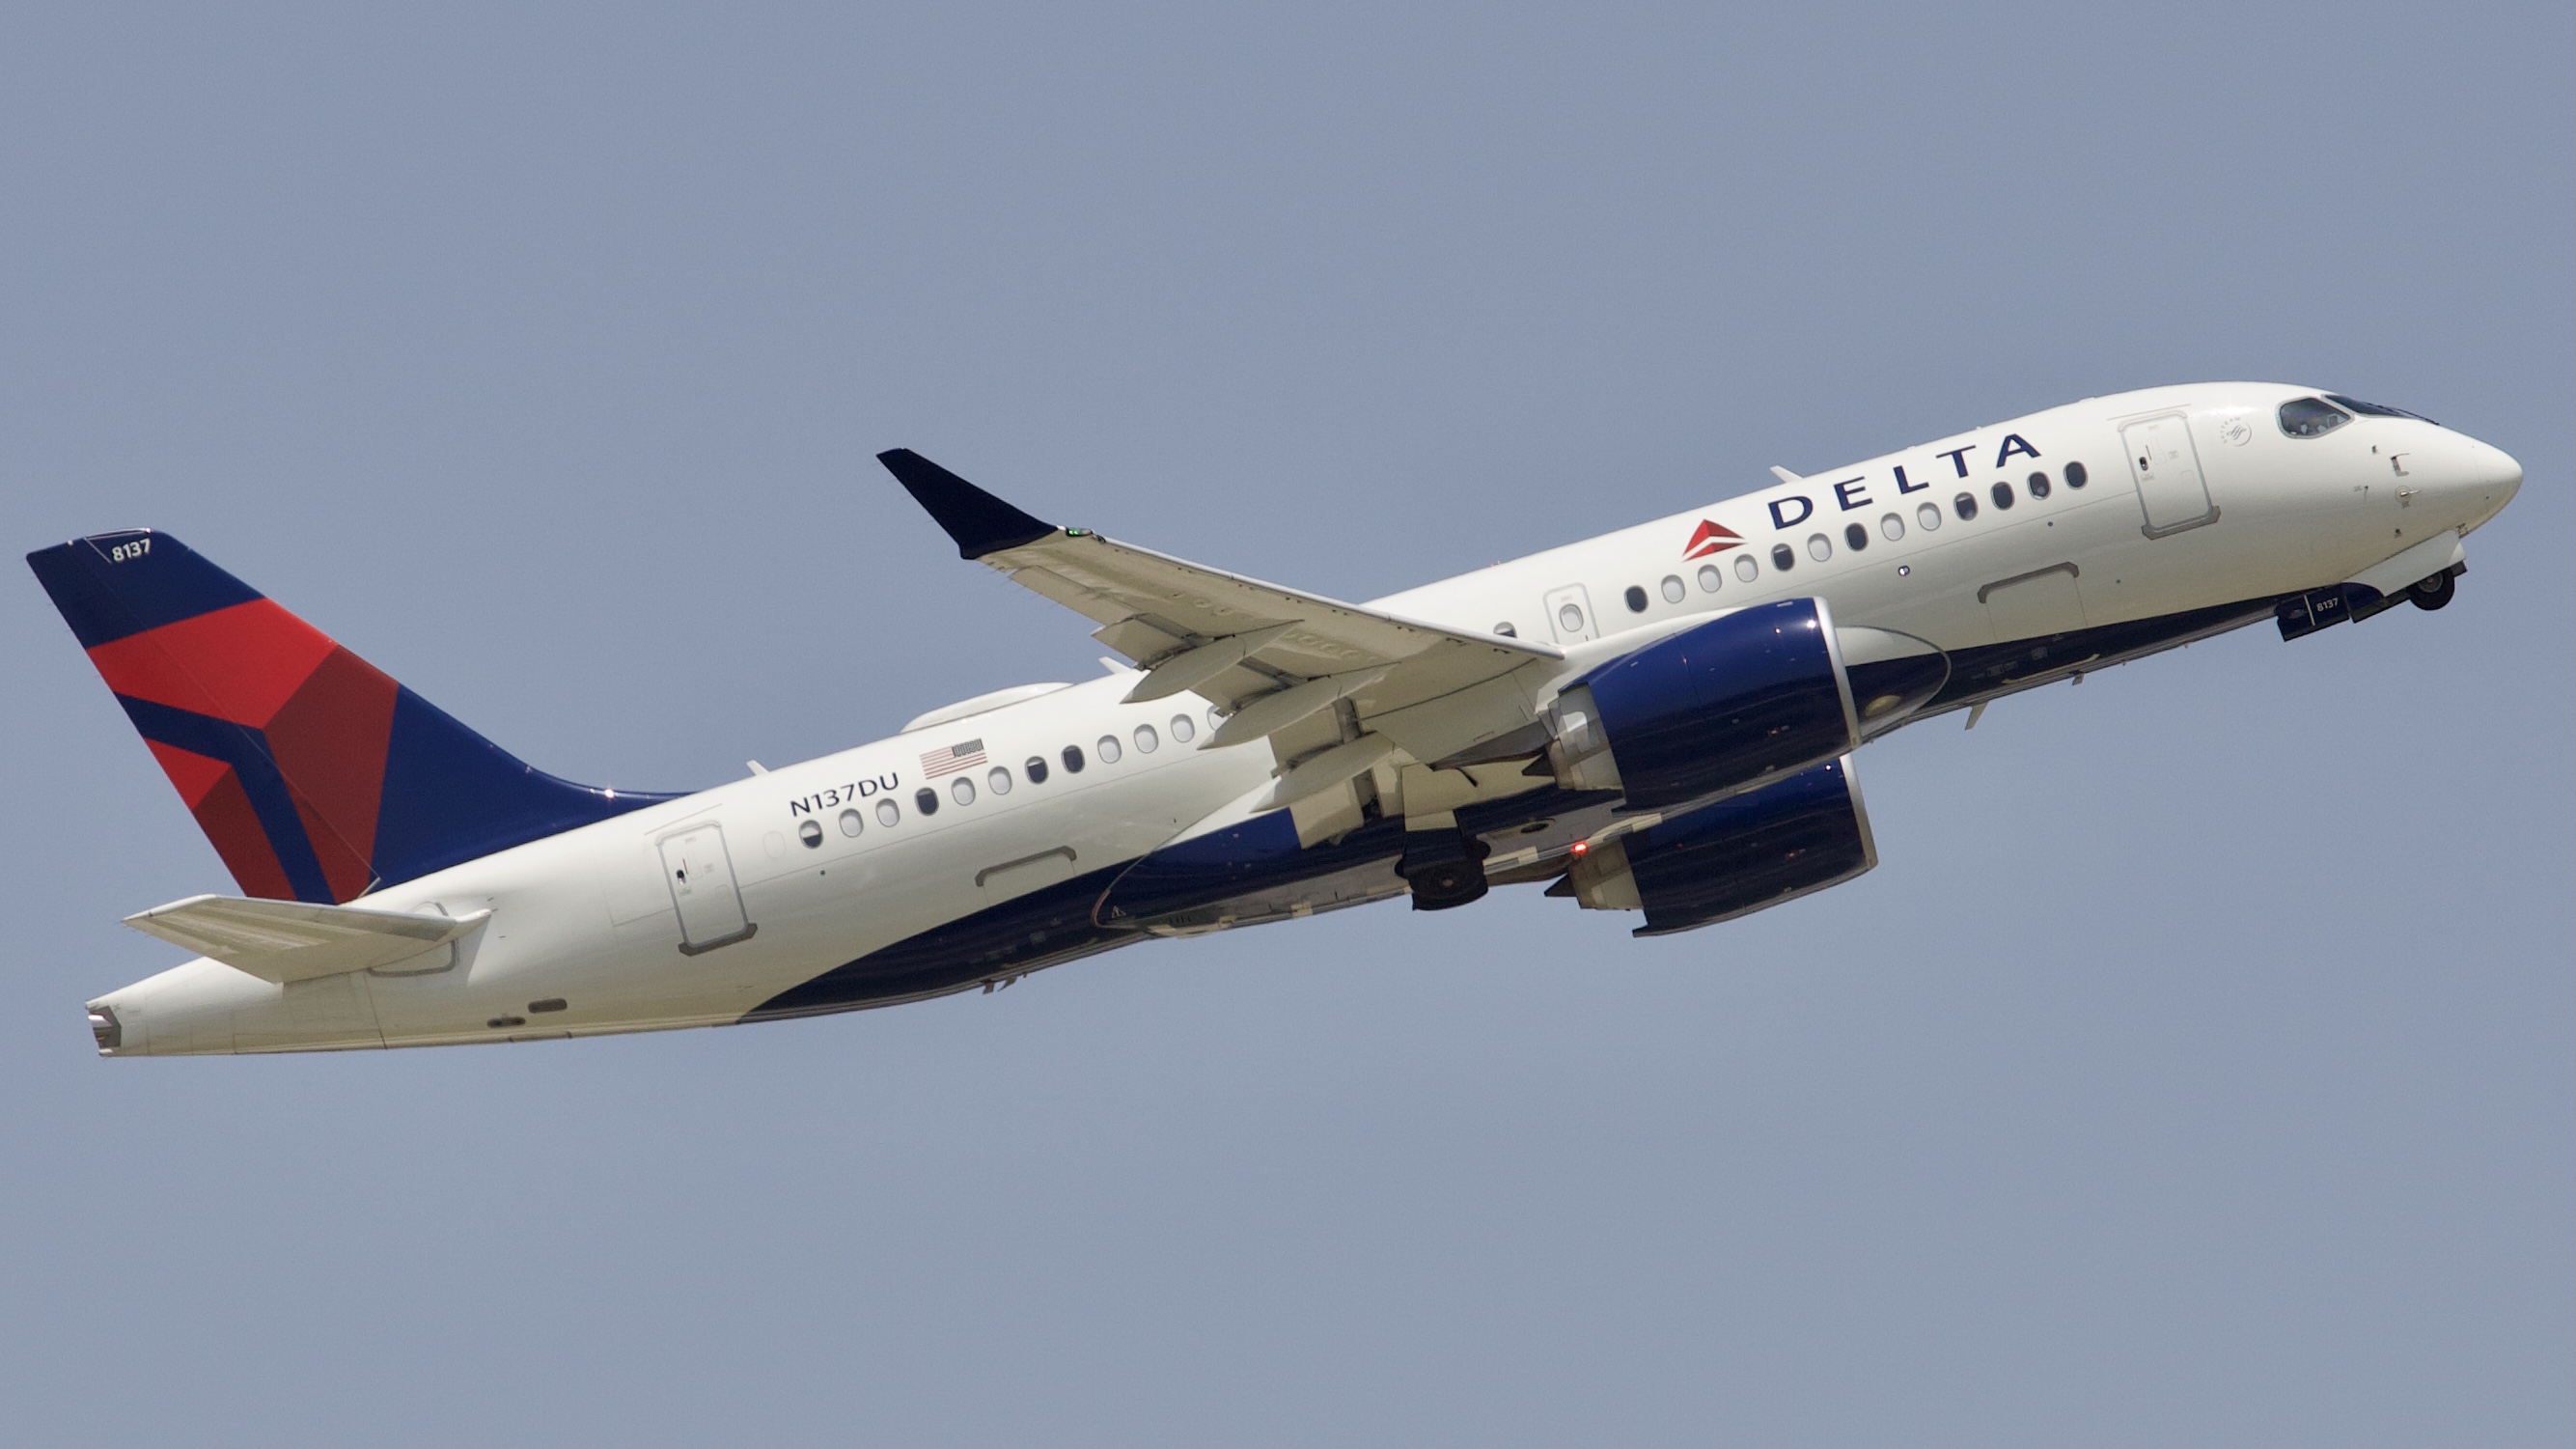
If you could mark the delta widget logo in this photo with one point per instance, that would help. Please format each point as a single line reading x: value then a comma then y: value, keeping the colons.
x: 1710, y: 538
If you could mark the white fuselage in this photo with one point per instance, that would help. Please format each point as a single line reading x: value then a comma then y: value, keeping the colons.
x: 587, y: 918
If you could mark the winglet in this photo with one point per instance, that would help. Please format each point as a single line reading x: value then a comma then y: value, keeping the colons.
x: 981, y: 523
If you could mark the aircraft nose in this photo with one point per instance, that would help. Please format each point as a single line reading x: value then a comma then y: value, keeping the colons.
x: 2487, y: 477
x: 2498, y: 471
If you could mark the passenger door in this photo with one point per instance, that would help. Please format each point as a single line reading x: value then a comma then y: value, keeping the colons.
x: 700, y: 875
x: 2171, y: 490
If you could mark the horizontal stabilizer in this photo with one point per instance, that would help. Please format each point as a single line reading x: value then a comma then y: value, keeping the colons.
x: 284, y: 941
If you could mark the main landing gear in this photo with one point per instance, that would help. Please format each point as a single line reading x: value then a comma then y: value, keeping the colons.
x: 1446, y: 868
x: 2435, y: 592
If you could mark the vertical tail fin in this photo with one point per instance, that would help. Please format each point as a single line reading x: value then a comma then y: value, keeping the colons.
x: 315, y: 775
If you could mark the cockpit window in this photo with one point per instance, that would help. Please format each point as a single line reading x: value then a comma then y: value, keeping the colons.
x: 2311, y: 417
x: 2375, y: 410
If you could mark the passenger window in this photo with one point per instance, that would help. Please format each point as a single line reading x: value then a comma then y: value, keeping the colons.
x: 1146, y: 739
x: 1965, y: 505
x: 1035, y: 768
x: 888, y: 812
x: 1636, y: 599
x: 1570, y: 619
x: 1782, y: 559
x: 926, y: 800
x: 1929, y: 516
x: 962, y: 790
x: 1182, y: 729
x: 1855, y: 537
x: 1673, y: 590
x: 1506, y: 630
x: 1073, y: 759
x: 1216, y: 716
x: 1746, y: 568
x: 1106, y: 747
x: 851, y: 824
x: 1891, y: 528
x: 2038, y: 485
x: 2074, y: 475
x: 1819, y: 547
x: 998, y: 779
x: 2003, y: 496
x: 811, y: 832
x: 1710, y: 578
x: 2311, y: 417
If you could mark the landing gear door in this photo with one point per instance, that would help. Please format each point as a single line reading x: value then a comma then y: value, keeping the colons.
x: 2171, y: 490
x: 700, y: 875
x: 1569, y: 613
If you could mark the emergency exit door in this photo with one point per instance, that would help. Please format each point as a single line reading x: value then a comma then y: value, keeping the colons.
x: 700, y: 875
x: 2171, y: 490
x: 1569, y: 614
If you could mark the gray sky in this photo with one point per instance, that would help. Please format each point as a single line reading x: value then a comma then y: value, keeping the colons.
x: 2196, y: 1066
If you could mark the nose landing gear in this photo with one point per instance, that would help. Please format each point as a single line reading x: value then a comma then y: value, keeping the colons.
x: 2304, y: 614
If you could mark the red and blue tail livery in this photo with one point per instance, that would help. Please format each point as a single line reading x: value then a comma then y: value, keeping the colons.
x: 317, y: 777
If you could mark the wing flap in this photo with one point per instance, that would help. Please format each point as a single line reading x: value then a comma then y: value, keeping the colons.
x: 285, y: 941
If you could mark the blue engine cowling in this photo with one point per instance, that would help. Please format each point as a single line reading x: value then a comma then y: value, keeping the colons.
x: 1753, y: 696
x: 1744, y: 854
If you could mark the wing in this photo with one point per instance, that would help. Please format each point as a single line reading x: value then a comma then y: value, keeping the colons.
x: 1273, y: 658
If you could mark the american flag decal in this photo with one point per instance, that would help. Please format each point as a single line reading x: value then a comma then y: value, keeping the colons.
x: 953, y: 759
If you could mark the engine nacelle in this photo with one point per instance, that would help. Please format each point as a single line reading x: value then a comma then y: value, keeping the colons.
x: 1741, y: 855
x: 1756, y: 695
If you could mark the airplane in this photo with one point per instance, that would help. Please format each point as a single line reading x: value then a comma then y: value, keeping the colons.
x: 1657, y: 721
